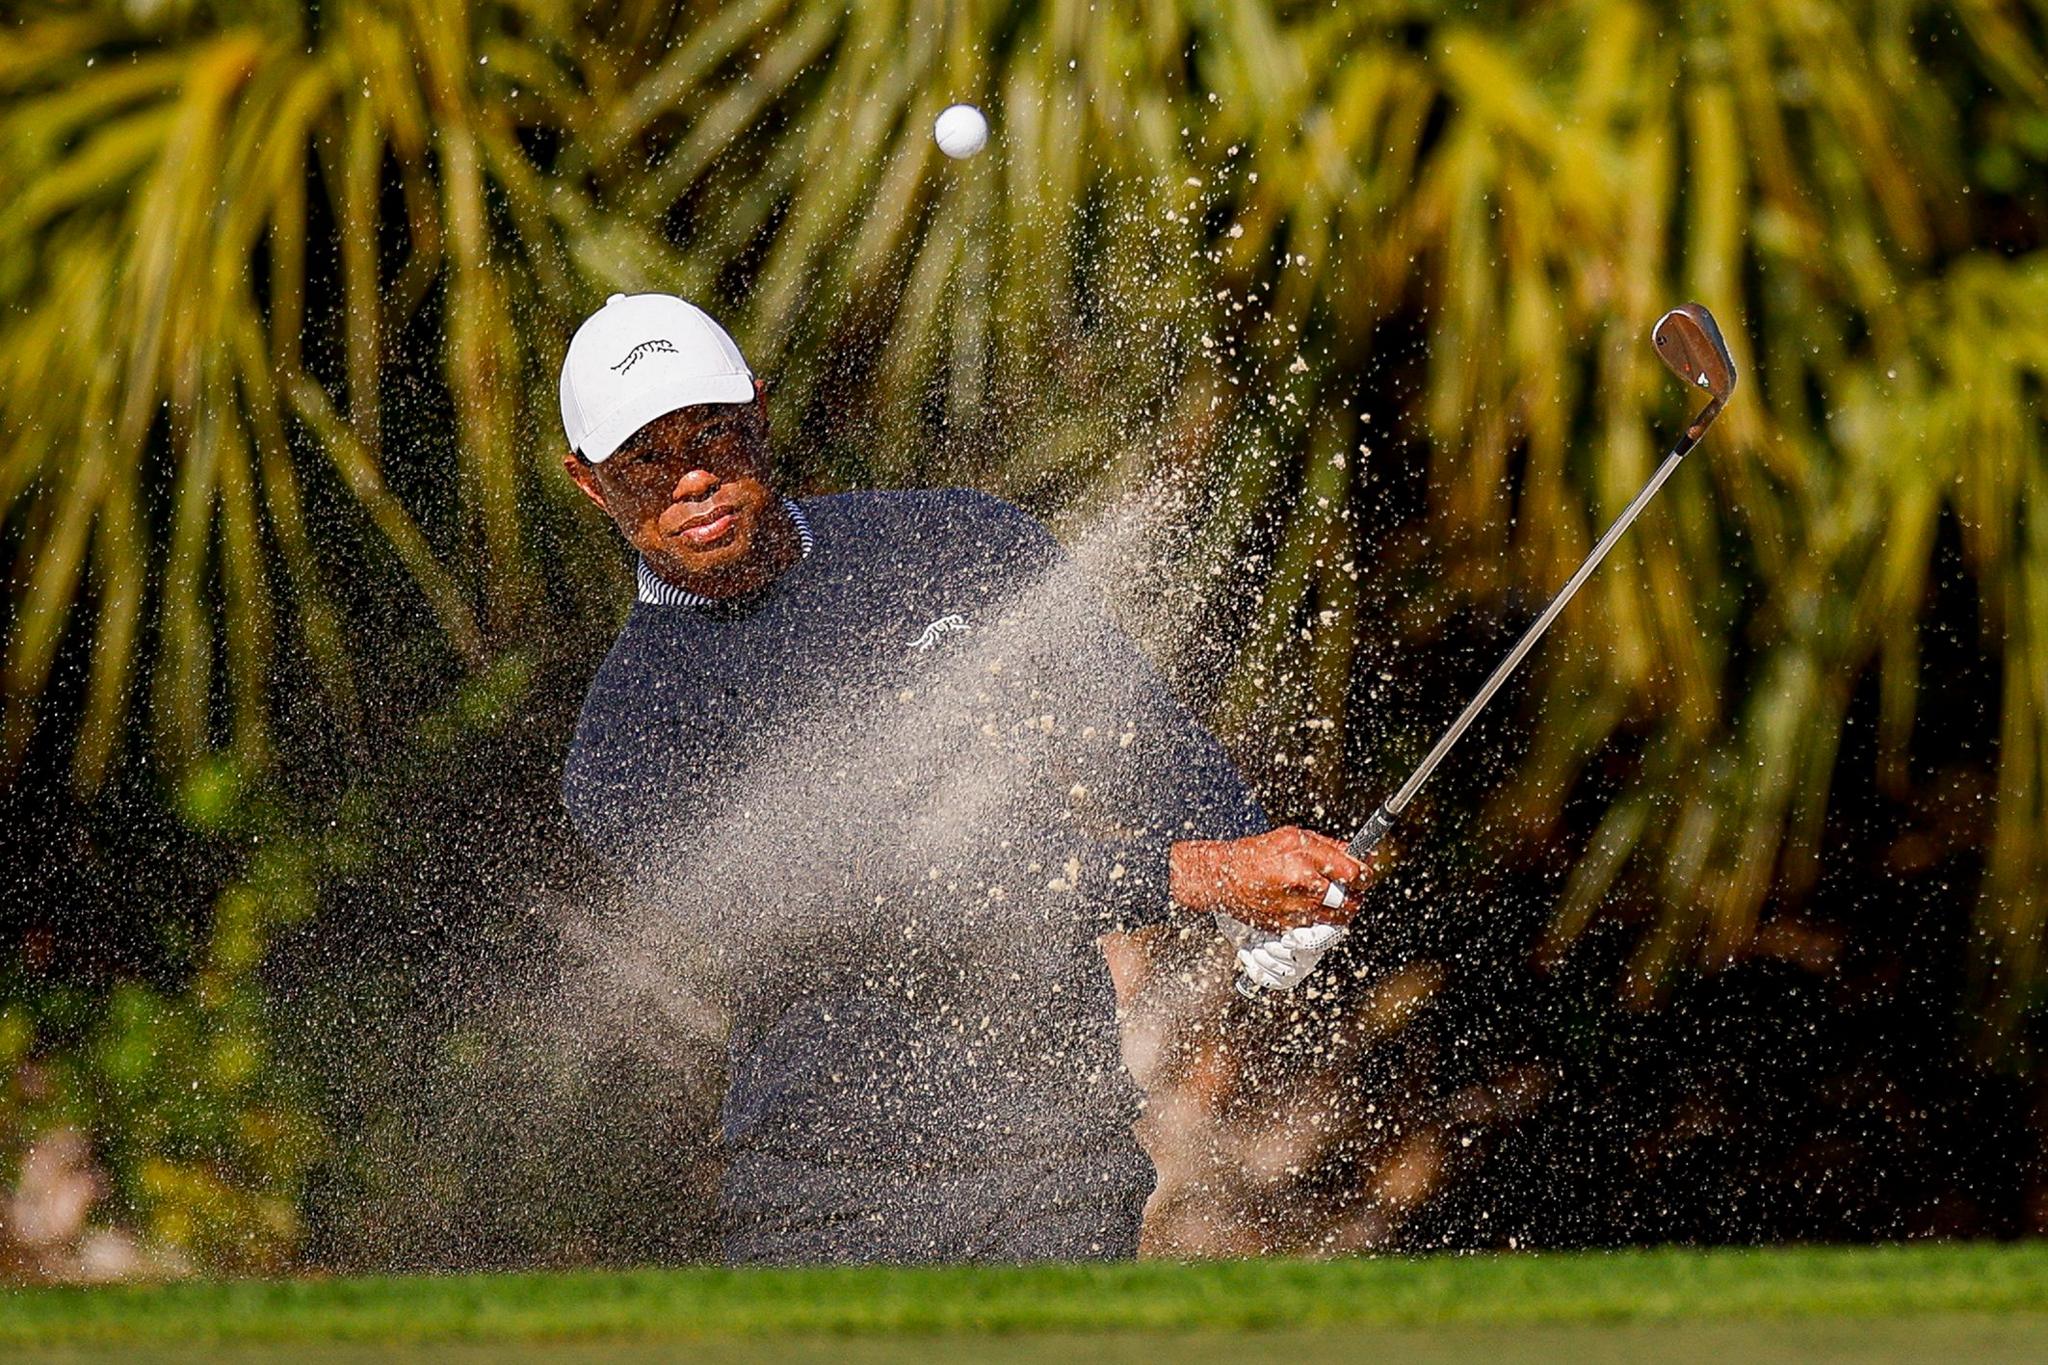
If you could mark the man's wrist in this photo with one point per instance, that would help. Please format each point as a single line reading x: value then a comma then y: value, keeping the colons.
x: 1193, y: 876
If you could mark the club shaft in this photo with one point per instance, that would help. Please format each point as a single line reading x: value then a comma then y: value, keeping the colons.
x: 1400, y: 799
x: 1374, y: 830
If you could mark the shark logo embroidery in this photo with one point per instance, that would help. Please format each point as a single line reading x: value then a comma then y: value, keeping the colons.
x: 944, y: 625
x: 633, y: 356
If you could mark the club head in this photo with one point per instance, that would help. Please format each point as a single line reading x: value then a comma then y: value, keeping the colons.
x: 1690, y: 342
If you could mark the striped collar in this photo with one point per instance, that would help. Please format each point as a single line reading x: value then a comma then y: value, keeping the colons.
x: 659, y: 592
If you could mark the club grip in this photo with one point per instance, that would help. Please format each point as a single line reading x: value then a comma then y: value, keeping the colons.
x: 1368, y: 838
x: 1361, y: 846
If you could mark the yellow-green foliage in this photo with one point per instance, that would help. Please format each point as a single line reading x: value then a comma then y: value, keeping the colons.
x: 218, y: 222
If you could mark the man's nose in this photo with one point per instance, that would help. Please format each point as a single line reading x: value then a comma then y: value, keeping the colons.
x: 696, y: 484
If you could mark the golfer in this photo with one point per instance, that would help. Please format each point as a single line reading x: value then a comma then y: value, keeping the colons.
x: 883, y: 757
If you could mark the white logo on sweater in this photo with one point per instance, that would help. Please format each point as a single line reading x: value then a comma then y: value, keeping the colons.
x: 944, y: 625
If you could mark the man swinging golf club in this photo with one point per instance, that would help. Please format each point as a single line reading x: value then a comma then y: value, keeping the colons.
x: 891, y: 768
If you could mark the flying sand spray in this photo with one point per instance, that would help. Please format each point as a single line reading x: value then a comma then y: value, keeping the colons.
x: 1690, y: 342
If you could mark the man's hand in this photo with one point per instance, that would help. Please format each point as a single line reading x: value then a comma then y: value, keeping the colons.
x: 1278, y: 962
x: 1274, y: 881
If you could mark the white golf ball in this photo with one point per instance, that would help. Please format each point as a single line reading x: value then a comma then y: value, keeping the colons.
x: 961, y: 131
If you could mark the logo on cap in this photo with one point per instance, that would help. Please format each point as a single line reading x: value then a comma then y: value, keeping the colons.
x: 645, y: 347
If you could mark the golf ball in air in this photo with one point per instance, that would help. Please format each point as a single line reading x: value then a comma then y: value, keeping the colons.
x: 961, y: 131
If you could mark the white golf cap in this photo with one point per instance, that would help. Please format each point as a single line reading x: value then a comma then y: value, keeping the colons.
x: 640, y: 357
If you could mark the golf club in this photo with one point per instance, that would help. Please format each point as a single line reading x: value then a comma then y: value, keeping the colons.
x: 1690, y: 342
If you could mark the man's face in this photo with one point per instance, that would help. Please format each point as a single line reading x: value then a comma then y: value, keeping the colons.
x: 689, y: 490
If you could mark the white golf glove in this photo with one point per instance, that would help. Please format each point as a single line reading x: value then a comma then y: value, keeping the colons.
x: 1278, y: 962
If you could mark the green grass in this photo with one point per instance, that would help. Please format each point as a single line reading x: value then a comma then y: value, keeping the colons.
x: 1467, y: 1293
x: 1974, y: 1338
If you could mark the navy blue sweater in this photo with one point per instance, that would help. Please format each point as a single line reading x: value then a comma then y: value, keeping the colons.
x: 896, y: 796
